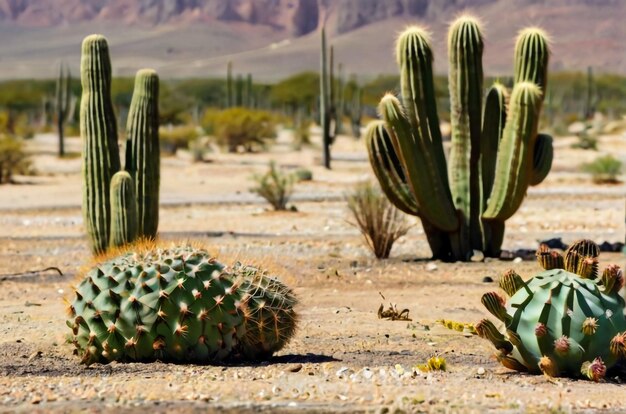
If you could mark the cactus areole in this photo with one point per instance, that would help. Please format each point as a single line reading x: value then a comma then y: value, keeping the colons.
x: 178, y: 304
x: 566, y: 321
x: 496, y: 152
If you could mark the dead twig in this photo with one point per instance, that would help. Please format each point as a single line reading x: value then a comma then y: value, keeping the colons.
x: 9, y: 276
x: 392, y: 313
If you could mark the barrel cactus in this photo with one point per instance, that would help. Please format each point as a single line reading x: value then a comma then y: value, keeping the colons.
x: 566, y: 321
x: 496, y: 152
x: 178, y: 304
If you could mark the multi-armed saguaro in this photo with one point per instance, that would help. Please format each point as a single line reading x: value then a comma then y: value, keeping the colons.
x: 495, y: 155
x: 106, y: 205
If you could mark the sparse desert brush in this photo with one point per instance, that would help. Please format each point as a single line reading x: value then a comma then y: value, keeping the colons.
x: 604, y: 170
x: 380, y: 223
x: 174, y: 137
x: 243, y: 129
x: 13, y: 159
x: 274, y: 186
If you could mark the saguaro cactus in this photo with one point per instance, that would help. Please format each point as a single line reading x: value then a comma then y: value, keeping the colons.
x: 495, y: 154
x: 325, y: 101
x: 142, y: 150
x: 99, y: 134
x: 63, y: 102
x: 123, y: 210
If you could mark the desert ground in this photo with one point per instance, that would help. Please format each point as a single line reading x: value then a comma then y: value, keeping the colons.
x: 343, y: 358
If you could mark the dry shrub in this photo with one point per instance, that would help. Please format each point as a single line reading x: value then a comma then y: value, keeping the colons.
x: 604, y: 170
x: 274, y: 186
x: 13, y: 159
x: 380, y: 223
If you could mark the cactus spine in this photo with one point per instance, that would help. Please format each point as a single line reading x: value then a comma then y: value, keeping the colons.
x: 99, y: 134
x: 495, y: 155
x: 142, y: 150
x: 123, y: 210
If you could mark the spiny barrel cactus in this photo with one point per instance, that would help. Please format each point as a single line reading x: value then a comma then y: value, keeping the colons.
x: 563, y: 322
x: 495, y: 154
x: 98, y: 130
x: 178, y: 304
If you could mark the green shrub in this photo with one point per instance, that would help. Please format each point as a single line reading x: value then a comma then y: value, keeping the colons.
x: 13, y: 159
x: 586, y: 141
x: 604, y: 170
x: 380, y: 223
x: 243, y: 129
x: 274, y: 186
x: 174, y: 137
x: 303, y: 174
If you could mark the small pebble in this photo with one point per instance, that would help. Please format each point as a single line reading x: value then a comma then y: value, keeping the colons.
x: 480, y: 371
x: 487, y: 279
x: 431, y: 267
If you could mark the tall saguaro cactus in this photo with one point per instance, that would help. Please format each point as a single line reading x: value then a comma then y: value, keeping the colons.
x: 63, y: 102
x: 495, y: 153
x: 112, y: 198
x: 142, y: 150
x: 325, y: 101
x: 99, y: 134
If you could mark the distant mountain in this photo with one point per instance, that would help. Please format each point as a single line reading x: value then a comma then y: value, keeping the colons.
x: 273, y: 38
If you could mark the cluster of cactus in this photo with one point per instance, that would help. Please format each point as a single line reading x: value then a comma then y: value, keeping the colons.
x: 242, y: 94
x: 178, y: 304
x: 566, y: 321
x: 118, y: 206
x: 496, y: 151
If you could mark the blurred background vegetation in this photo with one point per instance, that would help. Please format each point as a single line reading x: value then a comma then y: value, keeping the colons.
x: 191, y: 108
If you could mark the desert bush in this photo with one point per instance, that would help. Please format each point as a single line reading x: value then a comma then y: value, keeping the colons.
x: 303, y: 174
x: 380, y: 223
x: 586, y: 141
x: 174, y: 137
x: 604, y: 170
x: 243, y: 129
x: 274, y: 186
x: 13, y: 159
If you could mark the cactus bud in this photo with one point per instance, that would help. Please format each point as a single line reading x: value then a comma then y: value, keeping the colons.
x: 548, y: 367
x: 590, y: 325
x: 511, y: 282
x: 540, y: 330
x: 549, y: 259
x: 618, y: 345
x: 561, y: 345
x: 612, y: 278
x: 595, y: 370
x: 495, y: 304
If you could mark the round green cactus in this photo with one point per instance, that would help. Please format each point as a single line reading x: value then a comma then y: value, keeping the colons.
x: 178, y: 304
x: 563, y: 322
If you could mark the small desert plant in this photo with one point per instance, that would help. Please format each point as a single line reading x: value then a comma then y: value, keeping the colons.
x: 303, y: 174
x: 378, y: 220
x: 604, y: 170
x: 274, y: 186
x: 241, y: 128
x: 13, y: 159
x: 586, y: 141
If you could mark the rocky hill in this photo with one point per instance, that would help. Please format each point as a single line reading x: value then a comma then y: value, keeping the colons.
x: 273, y: 38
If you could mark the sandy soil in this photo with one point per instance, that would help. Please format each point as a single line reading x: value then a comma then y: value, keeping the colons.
x: 343, y: 358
